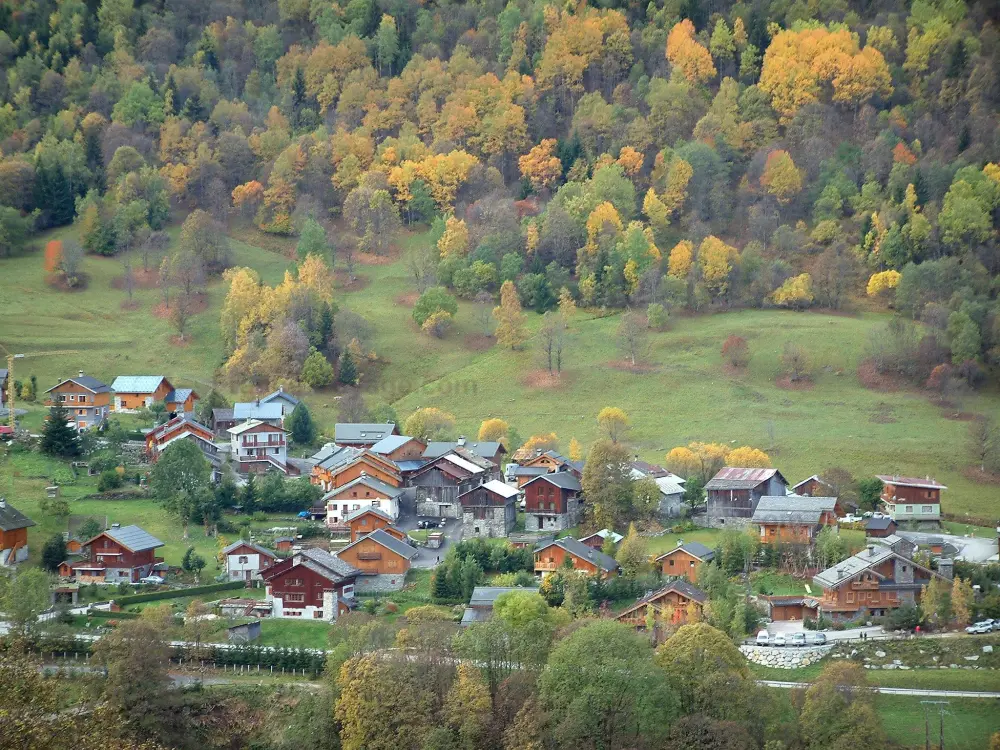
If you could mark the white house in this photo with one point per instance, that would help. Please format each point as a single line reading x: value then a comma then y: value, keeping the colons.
x: 245, y: 560
x: 257, y: 446
x: 360, y: 494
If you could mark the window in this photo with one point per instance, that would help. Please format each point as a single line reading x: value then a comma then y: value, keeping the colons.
x: 909, y: 508
x: 904, y: 568
x: 294, y: 582
x: 364, y: 521
x: 295, y: 597
x: 243, y: 560
x: 926, y: 509
x: 348, y: 591
x: 850, y: 597
x: 72, y: 397
x: 671, y: 563
x: 62, y: 396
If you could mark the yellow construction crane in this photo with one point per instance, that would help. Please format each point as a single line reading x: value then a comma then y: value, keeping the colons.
x: 10, y: 376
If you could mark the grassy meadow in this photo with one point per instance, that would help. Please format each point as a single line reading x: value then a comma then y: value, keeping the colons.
x: 685, y: 393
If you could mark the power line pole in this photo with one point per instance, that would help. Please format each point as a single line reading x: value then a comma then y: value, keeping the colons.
x: 927, y: 725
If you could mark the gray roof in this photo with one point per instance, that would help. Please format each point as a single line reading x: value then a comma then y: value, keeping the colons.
x: 361, y: 511
x: 562, y: 479
x: 680, y: 585
x: 179, y: 395
x: 376, y: 484
x: 368, y: 433
x: 390, y: 443
x: 530, y: 471
x: 313, y: 558
x: 92, y: 384
x: 837, y: 574
x: 12, y: 519
x: 410, y: 465
x: 332, y: 455
x: 485, y: 449
x: 137, y: 383
x: 699, y: 550
x: 253, y: 410
x: 223, y: 415
x: 800, y: 509
x: 132, y: 537
x: 486, y: 596
x: 387, y: 540
x: 252, y: 545
x: 878, y: 524
x: 281, y: 393
x: 581, y: 550
x: 735, y: 478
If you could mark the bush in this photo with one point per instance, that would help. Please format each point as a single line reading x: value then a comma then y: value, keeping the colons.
x: 656, y: 316
x: 390, y: 608
x: 153, y: 596
x: 736, y: 352
x: 437, y: 324
x: 109, y: 480
x: 433, y: 300
x: 259, y: 516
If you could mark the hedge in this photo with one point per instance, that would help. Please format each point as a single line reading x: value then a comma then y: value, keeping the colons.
x: 153, y: 596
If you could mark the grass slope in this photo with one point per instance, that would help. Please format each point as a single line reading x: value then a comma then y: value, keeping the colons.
x: 687, y: 396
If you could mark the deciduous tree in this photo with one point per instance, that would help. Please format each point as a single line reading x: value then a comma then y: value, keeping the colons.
x: 510, y: 330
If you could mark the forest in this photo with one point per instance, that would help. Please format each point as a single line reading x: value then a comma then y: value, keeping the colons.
x: 681, y: 155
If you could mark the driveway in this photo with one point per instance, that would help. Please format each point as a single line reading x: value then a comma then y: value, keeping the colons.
x: 426, y: 557
x: 788, y: 627
x: 970, y: 548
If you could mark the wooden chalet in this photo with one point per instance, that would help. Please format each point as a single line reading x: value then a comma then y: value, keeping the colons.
x: 685, y: 560
x: 552, y: 502
x: 14, y: 527
x: 134, y: 392
x: 880, y: 578
x: 733, y: 494
x: 366, y: 520
x: 553, y: 462
x: 335, y: 465
x: 245, y: 560
x: 598, y: 538
x: 119, y: 554
x: 257, y: 447
x: 400, y: 448
x: 310, y: 584
x: 183, y: 427
x: 87, y: 400
x: 551, y: 556
x: 365, y: 435
x: 674, y: 604
x: 880, y: 527
x: 382, y: 559
x: 439, y: 483
x: 489, y: 510
x: 793, y: 519
x: 911, y: 498
x: 490, y: 450
x: 342, y: 502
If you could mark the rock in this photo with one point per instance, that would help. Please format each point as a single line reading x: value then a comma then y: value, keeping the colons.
x: 880, y: 654
x: 987, y: 649
x: 935, y: 658
x: 854, y: 652
x: 921, y: 651
x: 897, y: 662
x: 972, y: 658
x: 952, y: 666
x: 903, y: 666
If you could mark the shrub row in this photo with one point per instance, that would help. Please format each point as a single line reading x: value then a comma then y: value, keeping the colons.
x: 153, y: 596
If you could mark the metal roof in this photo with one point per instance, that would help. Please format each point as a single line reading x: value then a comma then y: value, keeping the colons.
x: 837, y: 574
x: 12, y: 519
x: 387, y: 540
x: 251, y: 545
x: 897, y: 481
x: 581, y: 550
x: 669, y: 486
x: 390, y: 443
x: 733, y: 478
x: 697, y: 549
x: 562, y: 479
x: 369, y: 481
x: 132, y: 537
x: 501, y: 489
x: 530, y: 471
x: 249, y: 425
x: 179, y: 395
x: 604, y: 534
x: 356, y: 432
x: 878, y: 524
x: 91, y: 384
x: 137, y: 383
x: 799, y: 509
x: 254, y: 410
x: 463, y: 463
x: 282, y: 394
x: 370, y: 509
x: 410, y: 465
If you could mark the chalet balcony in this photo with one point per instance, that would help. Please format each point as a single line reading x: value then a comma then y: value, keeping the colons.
x: 546, y: 566
x: 369, y: 556
x: 273, y: 443
x: 865, y: 585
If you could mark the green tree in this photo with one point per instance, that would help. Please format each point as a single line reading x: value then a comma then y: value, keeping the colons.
x: 964, y: 337
x: 180, y: 479
x: 312, y: 240
x: 347, y: 370
x: 386, y: 44
x: 869, y: 492
x: 23, y: 597
x: 53, y: 553
x: 831, y: 548
x: 607, y: 484
x: 317, y: 372
x: 433, y: 300
x: 632, y: 554
x: 59, y: 438
x: 214, y: 400
x: 694, y: 492
x: 839, y: 712
x: 603, y: 690
x: 301, y: 426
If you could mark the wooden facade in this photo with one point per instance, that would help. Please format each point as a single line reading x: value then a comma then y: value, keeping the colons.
x: 87, y: 401
x: 310, y: 584
x: 366, y: 463
x: 733, y: 493
x: 372, y: 558
x: 112, y: 560
x: 680, y: 562
x: 412, y: 450
x: 672, y: 605
x: 912, y: 498
x: 553, y: 555
x: 135, y: 400
x: 368, y: 521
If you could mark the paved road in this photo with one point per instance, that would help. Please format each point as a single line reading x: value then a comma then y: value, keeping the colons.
x: 970, y: 548
x: 892, y: 690
x: 426, y: 557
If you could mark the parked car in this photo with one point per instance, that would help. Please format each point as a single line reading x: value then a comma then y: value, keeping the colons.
x: 851, y: 518
x: 817, y: 639
x: 444, y: 522
x: 983, y: 626
x: 779, y: 640
x: 762, y: 638
x: 797, y: 639
x: 157, y: 580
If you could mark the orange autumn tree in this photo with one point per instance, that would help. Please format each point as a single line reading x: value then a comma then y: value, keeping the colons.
x: 53, y: 255
x: 541, y: 166
x: 687, y: 55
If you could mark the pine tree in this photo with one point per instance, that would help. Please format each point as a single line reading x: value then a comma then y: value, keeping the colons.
x: 193, y: 109
x: 59, y: 438
x: 301, y: 425
x: 347, y: 370
x: 298, y: 96
x: 248, y: 498
x: 53, y: 553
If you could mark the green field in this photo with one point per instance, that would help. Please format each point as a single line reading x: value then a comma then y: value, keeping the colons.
x: 685, y: 396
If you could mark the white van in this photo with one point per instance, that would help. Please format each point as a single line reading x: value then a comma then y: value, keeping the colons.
x: 762, y: 638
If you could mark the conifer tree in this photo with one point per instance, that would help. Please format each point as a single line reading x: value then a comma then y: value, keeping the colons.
x: 347, y: 371
x: 58, y: 436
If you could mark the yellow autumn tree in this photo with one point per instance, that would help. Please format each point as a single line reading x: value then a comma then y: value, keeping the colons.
x: 685, y: 53
x: 681, y: 260
x: 613, y: 422
x: 548, y: 441
x: 541, y: 166
x: 716, y: 260
x: 443, y: 174
x: 429, y: 423
x: 455, y: 240
x: 681, y: 461
x: 575, y: 451
x: 749, y: 458
x: 781, y: 178
x: 655, y: 210
x: 567, y: 305
x: 604, y: 218
x: 698, y: 459
x: 795, y: 292
x: 316, y: 276
x: 510, y: 330
x: 531, y: 237
x: 882, y: 282
x: 630, y: 161
x: 679, y: 174
x: 493, y: 429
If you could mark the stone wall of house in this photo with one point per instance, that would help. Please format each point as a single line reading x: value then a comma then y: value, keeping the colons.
x: 786, y: 657
x: 497, y: 525
x: 707, y: 520
x: 533, y: 522
x: 438, y: 509
x: 379, y: 583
